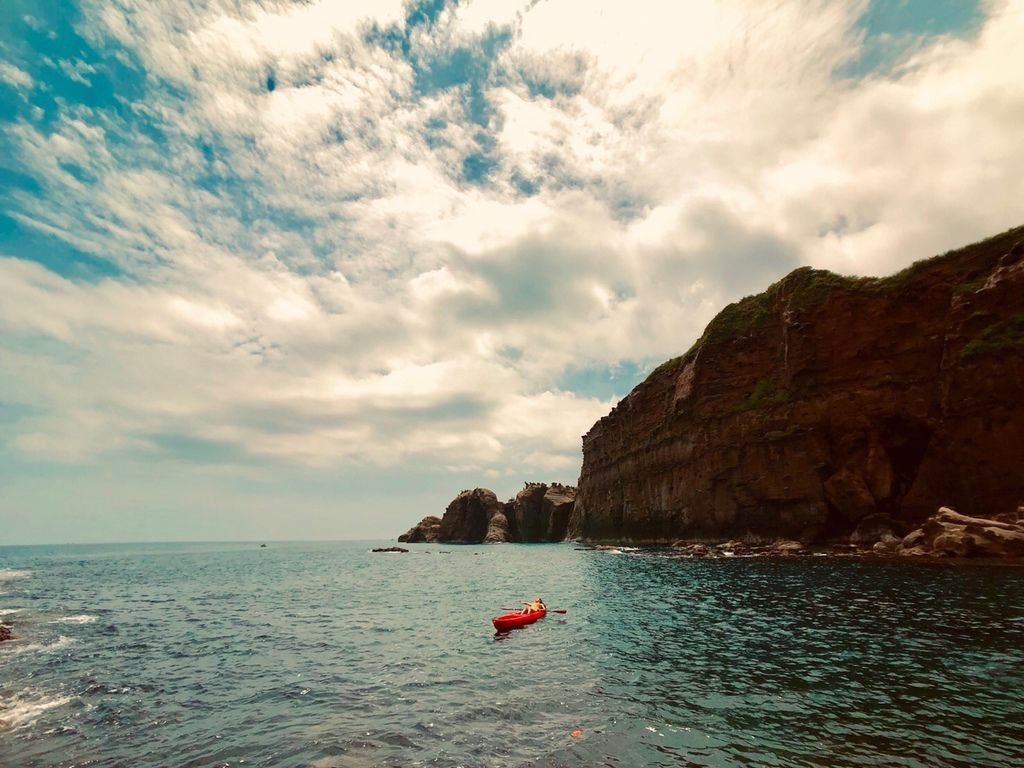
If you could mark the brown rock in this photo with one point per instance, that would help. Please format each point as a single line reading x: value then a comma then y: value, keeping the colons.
x: 849, y: 494
x: 886, y: 545
x: 5, y: 633
x: 787, y: 548
x: 427, y: 530
x: 468, y: 516
x: 497, y: 529
x: 388, y: 549
x: 804, y: 409
x: 540, y: 512
x: 914, y: 540
x: 872, y: 529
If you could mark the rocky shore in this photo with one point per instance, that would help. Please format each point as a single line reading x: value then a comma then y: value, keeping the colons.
x: 946, y: 535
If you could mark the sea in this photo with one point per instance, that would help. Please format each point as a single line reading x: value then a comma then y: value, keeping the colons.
x: 328, y: 654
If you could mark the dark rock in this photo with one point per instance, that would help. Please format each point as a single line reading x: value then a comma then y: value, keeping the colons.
x: 389, y: 549
x: 497, y: 529
x: 539, y: 512
x: 427, y: 530
x: 872, y: 529
x: 823, y: 400
x: 468, y: 516
x: 5, y: 633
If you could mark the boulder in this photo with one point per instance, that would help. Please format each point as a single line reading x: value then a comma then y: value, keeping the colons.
x: 951, y: 534
x: 873, y: 528
x: 787, y: 547
x: 427, y: 530
x: 5, y: 633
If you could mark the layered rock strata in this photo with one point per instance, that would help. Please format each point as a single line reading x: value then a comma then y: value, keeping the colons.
x: 539, y: 512
x: 806, y: 410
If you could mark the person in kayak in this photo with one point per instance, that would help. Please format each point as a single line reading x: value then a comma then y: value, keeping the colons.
x: 536, y: 605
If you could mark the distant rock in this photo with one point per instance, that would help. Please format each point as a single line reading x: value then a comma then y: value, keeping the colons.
x: 388, y: 549
x: 5, y: 633
x: 538, y: 513
x: 468, y: 516
x: 427, y: 530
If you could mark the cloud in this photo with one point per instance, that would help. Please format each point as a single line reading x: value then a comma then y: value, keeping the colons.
x: 351, y: 235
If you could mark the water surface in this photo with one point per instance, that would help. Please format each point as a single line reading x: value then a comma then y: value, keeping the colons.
x: 328, y: 655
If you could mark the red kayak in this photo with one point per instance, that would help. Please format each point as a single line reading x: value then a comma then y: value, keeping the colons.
x: 514, y: 620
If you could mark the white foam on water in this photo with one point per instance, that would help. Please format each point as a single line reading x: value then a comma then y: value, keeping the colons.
x: 10, y: 574
x: 15, y: 648
x: 25, y: 708
x: 79, y: 619
x: 9, y: 611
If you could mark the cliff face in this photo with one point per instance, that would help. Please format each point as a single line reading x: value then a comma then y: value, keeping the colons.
x: 538, y: 513
x: 821, y: 401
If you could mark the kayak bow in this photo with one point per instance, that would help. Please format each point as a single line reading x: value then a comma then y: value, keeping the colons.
x: 515, y: 620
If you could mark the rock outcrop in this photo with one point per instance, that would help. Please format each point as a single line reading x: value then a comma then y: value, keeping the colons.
x: 427, y: 530
x: 807, y: 410
x: 539, y: 512
x: 950, y: 534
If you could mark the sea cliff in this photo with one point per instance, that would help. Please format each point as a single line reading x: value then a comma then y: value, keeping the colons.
x: 823, y: 402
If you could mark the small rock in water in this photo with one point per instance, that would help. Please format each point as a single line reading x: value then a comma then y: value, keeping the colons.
x: 389, y: 549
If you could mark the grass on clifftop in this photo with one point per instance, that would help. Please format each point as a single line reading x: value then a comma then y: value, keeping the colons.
x: 807, y: 287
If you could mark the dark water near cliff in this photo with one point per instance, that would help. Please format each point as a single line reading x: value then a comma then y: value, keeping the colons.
x: 327, y: 655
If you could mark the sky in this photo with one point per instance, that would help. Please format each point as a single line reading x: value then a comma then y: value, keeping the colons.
x: 304, y: 270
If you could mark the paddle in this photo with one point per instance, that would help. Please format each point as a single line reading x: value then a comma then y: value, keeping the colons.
x: 549, y: 610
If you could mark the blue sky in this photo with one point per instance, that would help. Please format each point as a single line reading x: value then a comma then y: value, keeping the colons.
x: 307, y: 270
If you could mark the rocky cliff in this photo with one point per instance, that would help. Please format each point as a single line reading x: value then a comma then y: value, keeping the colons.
x: 821, y: 402
x: 539, y: 512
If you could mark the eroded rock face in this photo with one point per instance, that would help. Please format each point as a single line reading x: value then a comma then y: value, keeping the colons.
x: 468, y: 516
x: 541, y: 512
x: 427, y: 530
x: 824, y: 400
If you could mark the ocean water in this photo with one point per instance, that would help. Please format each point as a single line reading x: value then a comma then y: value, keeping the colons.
x: 328, y: 655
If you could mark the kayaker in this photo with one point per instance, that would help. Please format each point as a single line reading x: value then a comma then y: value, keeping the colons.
x: 536, y: 605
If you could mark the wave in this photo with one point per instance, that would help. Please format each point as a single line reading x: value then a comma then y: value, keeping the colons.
x: 14, y: 648
x: 9, y: 611
x: 25, y: 708
x: 79, y: 619
x: 10, y: 574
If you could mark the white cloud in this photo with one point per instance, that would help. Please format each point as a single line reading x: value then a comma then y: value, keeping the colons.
x: 14, y: 76
x: 303, y: 273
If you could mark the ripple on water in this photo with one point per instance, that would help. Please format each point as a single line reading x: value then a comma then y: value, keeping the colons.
x: 326, y: 654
